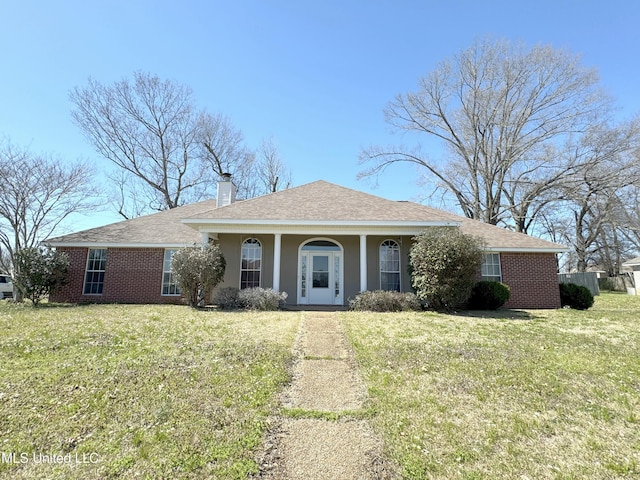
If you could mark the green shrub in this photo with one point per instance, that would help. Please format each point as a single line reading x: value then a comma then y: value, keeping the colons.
x: 227, y: 298
x: 488, y: 295
x: 444, y: 264
x: 198, y: 270
x: 385, y: 301
x: 39, y: 271
x: 575, y: 296
x: 265, y: 299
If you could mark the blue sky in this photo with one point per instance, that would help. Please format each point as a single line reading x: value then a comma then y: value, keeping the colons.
x: 314, y: 76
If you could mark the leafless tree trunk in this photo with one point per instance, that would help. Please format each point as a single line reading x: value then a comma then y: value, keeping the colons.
x: 627, y: 216
x: 224, y: 153
x: 498, y: 108
x: 167, y: 152
x: 150, y: 129
x: 38, y: 192
x: 620, y: 239
x: 271, y: 169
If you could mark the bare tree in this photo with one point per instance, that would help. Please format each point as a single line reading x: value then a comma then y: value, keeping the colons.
x: 254, y: 173
x: 271, y: 169
x: 128, y: 196
x: 613, y: 246
x: 37, y: 193
x: 151, y: 129
x: 167, y: 152
x: 619, y: 238
x: 499, y: 109
x: 590, y: 213
x: 629, y: 216
x: 224, y: 152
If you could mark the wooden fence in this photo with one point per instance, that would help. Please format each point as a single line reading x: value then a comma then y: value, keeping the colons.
x: 586, y: 279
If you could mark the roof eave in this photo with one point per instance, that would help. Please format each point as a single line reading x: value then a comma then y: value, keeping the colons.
x: 102, y: 244
x: 558, y: 249
x: 201, y: 222
x: 315, y: 227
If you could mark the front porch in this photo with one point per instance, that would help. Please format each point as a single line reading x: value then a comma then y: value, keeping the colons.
x: 315, y: 270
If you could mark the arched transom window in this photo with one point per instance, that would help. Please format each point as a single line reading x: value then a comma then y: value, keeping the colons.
x: 390, y: 265
x: 251, y: 263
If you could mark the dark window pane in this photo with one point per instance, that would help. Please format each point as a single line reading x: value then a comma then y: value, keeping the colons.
x: 250, y: 279
x: 321, y: 264
x: 320, y: 279
x: 390, y: 281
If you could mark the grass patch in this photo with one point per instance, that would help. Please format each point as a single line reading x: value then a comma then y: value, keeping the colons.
x: 324, y: 415
x: 539, y: 394
x: 138, y: 391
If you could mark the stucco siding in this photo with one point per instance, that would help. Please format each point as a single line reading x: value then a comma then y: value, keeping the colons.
x: 373, y: 261
x: 351, y: 267
x: 231, y: 247
x: 289, y: 264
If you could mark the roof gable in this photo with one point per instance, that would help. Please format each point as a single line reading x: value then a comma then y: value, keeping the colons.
x: 323, y: 202
x: 632, y: 262
x: 319, y: 203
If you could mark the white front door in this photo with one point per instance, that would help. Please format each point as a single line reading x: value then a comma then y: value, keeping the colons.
x: 321, y: 281
x: 320, y: 274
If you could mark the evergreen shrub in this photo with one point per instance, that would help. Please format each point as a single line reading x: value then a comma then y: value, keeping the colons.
x: 575, y: 296
x: 197, y: 271
x: 39, y: 271
x: 444, y: 264
x: 488, y: 295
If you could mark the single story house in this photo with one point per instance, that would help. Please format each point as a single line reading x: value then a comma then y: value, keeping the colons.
x: 320, y: 242
x: 634, y: 265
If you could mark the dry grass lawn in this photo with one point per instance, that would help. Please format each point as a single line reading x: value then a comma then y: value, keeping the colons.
x: 527, y: 395
x: 115, y: 391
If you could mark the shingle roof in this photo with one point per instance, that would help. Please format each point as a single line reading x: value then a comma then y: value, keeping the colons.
x: 164, y: 228
x: 323, y: 201
x: 318, y: 201
x: 498, y: 238
x: 632, y: 262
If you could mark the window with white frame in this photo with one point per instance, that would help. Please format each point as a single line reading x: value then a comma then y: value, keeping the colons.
x: 94, y: 273
x: 390, y: 266
x: 169, y: 285
x: 251, y: 265
x: 491, y: 267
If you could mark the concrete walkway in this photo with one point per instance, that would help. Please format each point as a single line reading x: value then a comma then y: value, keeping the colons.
x: 322, y: 435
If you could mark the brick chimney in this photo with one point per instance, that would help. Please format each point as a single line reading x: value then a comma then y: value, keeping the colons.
x: 226, y: 191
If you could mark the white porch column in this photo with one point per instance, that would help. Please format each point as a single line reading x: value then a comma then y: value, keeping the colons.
x: 205, y: 239
x: 363, y: 263
x: 277, y: 247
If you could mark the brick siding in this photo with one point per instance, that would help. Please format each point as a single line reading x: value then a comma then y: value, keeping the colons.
x: 132, y: 275
x: 532, y: 278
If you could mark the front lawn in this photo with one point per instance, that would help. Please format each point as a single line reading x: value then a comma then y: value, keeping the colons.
x: 117, y: 391
x: 536, y: 394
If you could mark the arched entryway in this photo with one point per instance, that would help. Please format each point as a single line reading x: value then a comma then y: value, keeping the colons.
x: 320, y: 272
